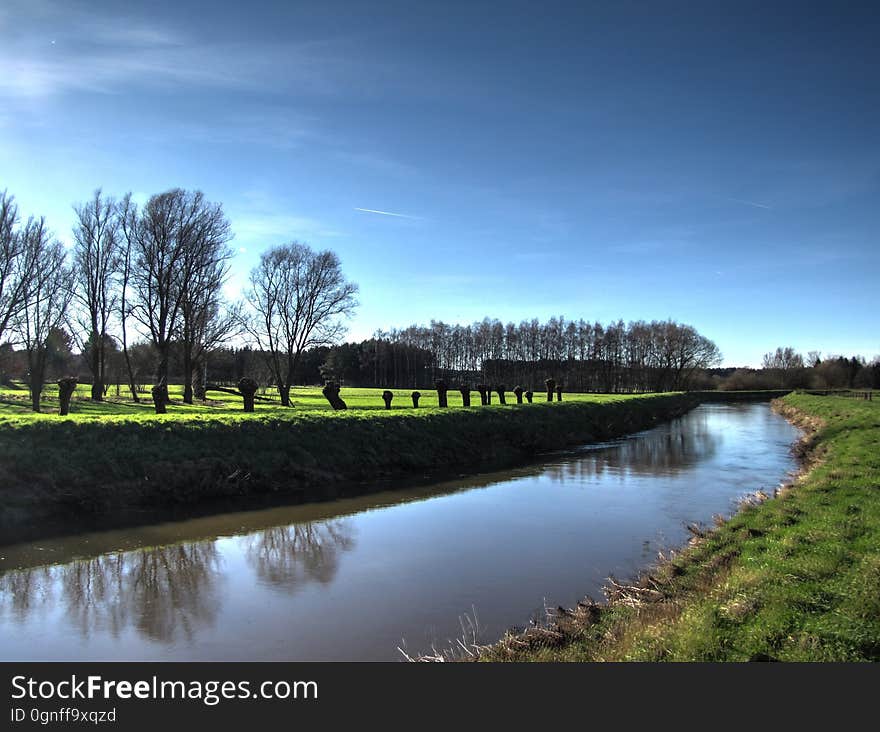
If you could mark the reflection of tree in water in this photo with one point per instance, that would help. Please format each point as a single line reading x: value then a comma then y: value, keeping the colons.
x: 662, y: 451
x: 165, y: 593
x: 22, y: 593
x: 290, y: 556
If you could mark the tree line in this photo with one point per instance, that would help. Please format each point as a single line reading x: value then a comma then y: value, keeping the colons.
x: 156, y: 273
x: 617, y: 357
x: 786, y: 368
x: 139, y: 300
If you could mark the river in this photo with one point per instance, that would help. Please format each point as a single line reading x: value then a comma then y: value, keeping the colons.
x: 355, y: 579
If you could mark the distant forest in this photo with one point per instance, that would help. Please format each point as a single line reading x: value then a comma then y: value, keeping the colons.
x: 407, y: 358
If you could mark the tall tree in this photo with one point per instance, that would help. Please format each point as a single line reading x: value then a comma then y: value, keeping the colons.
x: 17, y: 263
x: 96, y: 256
x: 127, y: 218
x: 178, y: 235
x: 204, y: 320
x: 208, y: 324
x: 298, y: 298
x: 46, y: 295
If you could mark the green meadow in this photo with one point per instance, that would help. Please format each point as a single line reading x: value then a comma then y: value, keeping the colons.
x: 15, y: 403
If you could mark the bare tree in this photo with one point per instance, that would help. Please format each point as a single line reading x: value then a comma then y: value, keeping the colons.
x: 17, y: 263
x: 46, y: 295
x: 96, y: 253
x: 127, y: 217
x: 204, y: 321
x: 208, y: 324
x: 177, y: 233
x: 787, y: 365
x: 298, y: 299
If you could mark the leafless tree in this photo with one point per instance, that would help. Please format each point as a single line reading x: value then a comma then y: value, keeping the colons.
x: 46, y: 295
x: 787, y: 365
x: 205, y: 322
x: 208, y: 324
x: 298, y: 299
x: 640, y: 356
x: 179, y: 236
x: 127, y: 218
x: 17, y: 264
x: 96, y: 253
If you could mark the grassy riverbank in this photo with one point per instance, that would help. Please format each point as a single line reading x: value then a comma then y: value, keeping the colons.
x: 794, y: 578
x: 99, y: 462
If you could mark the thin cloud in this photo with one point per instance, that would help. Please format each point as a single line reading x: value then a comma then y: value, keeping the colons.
x: 748, y: 203
x: 86, y: 51
x: 387, y: 213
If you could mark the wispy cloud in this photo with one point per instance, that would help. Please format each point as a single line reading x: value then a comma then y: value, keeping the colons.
x: 388, y: 213
x: 747, y: 203
x: 56, y: 48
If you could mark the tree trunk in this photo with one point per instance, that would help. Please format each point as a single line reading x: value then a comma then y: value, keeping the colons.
x: 36, y: 361
x: 95, y: 365
x: 387, y: 396
x: 416, y: 395
x: 200, y: 381
x: 160, y: 398
x: 66, y: 387
x: 441, y: 387
x: 131, y: 384
x: 248, y: 387
x: 162, y: 374
x: 284, y: 391
x: 97, y: 390
x: 187, y: 379
x: 331, y: 393
x: 35, y: 397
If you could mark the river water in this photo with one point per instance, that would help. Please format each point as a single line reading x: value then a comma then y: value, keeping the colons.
x: 355, y: 579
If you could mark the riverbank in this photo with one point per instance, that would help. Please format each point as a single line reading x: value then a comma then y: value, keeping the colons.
x: 792, y: 578
x: 89, y: 466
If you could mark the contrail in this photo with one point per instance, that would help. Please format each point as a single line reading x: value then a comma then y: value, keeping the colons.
x: 386, y: 213
x: 749, y: 203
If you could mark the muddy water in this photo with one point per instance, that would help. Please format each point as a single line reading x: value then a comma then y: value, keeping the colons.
x: 355, y: 579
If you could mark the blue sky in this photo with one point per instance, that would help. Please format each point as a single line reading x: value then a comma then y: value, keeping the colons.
x: 714, y: 163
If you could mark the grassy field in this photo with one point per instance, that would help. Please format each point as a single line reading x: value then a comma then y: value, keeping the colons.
x: 795, y: 578
x: 15, y: 403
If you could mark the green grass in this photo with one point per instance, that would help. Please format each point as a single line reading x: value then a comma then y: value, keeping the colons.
x: 15, y: 405
x: 795, y: 578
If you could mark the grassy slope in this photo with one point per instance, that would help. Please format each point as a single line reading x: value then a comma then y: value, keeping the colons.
x: 796, y: 578
x: 94, y: 462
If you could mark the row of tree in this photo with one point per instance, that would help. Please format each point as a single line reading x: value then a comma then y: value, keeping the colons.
x: 785, y: 368
x: 618, y: 357
x: 140, y: 298
x: 158, y: 271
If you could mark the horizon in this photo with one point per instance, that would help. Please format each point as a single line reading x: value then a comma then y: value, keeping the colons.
x: 714, y: 166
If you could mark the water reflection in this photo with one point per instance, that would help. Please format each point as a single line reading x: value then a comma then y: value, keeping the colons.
x: 167, y: 594
x: 666, y: 450
x: 290, y: 556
